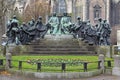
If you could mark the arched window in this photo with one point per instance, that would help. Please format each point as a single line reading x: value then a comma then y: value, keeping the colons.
x: 62, y: 6
x: 117, y: 14
x: 97, y: 11
x: 59, y: 6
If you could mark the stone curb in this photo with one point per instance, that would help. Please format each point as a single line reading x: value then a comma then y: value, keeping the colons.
x: 52, y: 75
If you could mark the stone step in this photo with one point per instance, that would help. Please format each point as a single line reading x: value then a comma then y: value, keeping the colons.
x: 55, y: 46
x: 54, y: 42
x: 61, y: 52
x: 64, y: 44
x: 60, y: 49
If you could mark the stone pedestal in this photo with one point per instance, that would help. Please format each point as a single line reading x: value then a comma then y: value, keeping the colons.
x: 118, y: 37
x: 8, y: 60
x: 102, y: 58
x: 108, y: 54
x: 116, y: 68
x: 57, y: 37
x: 59, y: 44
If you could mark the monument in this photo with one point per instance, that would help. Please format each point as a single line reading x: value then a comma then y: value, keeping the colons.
x: 59, y: 27
x: 59, y: 35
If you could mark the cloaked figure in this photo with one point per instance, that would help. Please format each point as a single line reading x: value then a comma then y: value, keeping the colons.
x: 14, y: 31
x: 40, y: 28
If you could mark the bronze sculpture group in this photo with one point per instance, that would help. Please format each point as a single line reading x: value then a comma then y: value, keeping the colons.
x: 24, y: 34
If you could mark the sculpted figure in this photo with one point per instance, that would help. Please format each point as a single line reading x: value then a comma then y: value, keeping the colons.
x: 65, y: 24
x: 54, y: 23
x: 40, y: 29
x: 100, y: 31
x: 106, y: 32
x: 32, y: 22
x: 24, y: 34
x: 14, y: 31
x: 79, y: 27
x: 90, y: 32
x: 75, y: 27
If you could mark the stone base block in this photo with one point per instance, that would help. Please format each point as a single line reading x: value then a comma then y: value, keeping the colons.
x: 116, y: 71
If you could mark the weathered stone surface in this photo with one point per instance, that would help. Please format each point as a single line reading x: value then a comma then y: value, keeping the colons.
x: 116, y: 68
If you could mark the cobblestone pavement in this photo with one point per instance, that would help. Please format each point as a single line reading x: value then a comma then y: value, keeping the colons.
x: 101, y: 77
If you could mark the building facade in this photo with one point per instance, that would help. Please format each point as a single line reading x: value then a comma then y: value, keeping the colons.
x: 86, y: 9
x: 92, y: 10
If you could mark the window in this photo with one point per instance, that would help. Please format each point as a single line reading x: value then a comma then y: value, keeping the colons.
x: 97, y: 11
x: 62, y: 6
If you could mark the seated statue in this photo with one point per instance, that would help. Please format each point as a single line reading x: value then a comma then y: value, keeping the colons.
x: 65, y: 24
x: 54, y: 22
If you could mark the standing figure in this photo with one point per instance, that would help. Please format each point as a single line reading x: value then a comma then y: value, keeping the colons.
x: 65, y: 24
x: 14, y: 31
x: 106, y: 32
x: 40, y: 29
x: 24, y: 34
x: 32, y: 22
x: 100, y: 31
x: 78, y: 28
x: 54, y: 23
x: 90, y: 33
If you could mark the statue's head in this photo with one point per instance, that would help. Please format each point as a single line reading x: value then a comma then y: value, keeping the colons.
x: 54, y: 14
x: 104, y: 21
x: 88, y: 21
x: 100, y: 19
x: 40, y: 17
x: 23, y: 23
x: 96, y: 25
x: 85, y: 22
x: 78, y: 18
x: 33, y: 19
x: 14, y: 17
x: 65, y: 14
x: 10, y: 20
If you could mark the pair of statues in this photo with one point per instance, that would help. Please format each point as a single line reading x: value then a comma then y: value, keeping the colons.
x: 59, y: 26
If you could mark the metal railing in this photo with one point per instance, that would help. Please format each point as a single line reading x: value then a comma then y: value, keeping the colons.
x: 38, y: 66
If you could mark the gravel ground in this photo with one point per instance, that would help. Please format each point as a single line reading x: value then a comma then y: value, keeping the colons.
x: 101, y: 77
